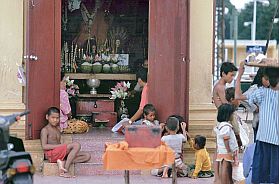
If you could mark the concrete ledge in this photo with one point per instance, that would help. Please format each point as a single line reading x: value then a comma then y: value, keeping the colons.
x: 11, y: 107
x: 201, y: 107
x: 202, y: 112
x: 51, y: 169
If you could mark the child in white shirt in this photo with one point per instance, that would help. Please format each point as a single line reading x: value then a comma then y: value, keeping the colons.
x: 226, y: 142
x: 175, y: 141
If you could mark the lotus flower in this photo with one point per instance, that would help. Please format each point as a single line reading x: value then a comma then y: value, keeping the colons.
x: 120, y: 90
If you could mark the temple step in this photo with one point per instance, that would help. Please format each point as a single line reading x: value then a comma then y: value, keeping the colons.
x: 51, y: 169
x: 94, y: 142
x: 91, y: 169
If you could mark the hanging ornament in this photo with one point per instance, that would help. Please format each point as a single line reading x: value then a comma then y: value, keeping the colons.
x: 73, y: 5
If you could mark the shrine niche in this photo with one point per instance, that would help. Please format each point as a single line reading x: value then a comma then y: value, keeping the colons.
x: 104, y: 32
x: 103, y: 42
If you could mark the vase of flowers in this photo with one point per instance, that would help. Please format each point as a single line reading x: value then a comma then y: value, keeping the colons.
x: 119, y: 93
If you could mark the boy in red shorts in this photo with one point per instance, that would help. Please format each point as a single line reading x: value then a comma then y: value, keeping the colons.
x: 63, y: 154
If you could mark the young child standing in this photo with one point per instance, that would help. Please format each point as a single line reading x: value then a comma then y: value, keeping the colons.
x: 63, y: 154
x: 65, y: 107
x: 202, y: 167
x: 226, y: 142
x: 266, y: 158
x: 175, y: 141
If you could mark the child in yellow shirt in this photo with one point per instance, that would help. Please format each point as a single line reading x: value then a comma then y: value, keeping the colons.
x: 202, y: 167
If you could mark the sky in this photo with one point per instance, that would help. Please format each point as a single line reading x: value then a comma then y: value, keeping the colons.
x: 239, y: 4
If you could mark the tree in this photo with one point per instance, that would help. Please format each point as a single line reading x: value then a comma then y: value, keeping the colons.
x: 264, y: 17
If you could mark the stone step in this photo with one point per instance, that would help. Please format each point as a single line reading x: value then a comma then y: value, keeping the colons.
x: 202, y: 112
x: 210, y: 145
x: 202, y: 122
x: 200, y: 127
x: 96, y: 157
x: 89, y: 169
x: 33, y: 145
x: 202, y: 116
x: 37, y: 159
x: 51, y: 169
x: 82, y: 169
x: 206, y: 133
x: 189, y: 158
x: 94, y: 143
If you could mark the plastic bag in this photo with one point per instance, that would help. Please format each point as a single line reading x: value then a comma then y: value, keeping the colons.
x: 243, y: 135
x: 237, y: 173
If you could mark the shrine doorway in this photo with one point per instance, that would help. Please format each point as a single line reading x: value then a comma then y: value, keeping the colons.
x: 103, y: 42
x: 165, y: 43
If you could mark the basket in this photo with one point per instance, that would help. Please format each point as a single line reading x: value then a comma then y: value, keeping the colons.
x: 266, y: 62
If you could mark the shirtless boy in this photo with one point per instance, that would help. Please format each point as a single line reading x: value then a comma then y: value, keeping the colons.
x: 227, y: 73
x: 62, y: 154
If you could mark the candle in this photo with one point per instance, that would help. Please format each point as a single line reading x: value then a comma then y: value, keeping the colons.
x: 79, y: 53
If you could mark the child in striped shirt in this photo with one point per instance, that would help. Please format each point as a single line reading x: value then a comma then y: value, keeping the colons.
x: 266, y: 158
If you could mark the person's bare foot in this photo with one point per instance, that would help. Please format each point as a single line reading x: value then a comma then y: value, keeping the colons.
x: 165, y: 173
x: 61, y: 168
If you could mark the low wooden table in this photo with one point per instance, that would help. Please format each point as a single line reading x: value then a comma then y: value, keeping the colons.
x: 119, y: 157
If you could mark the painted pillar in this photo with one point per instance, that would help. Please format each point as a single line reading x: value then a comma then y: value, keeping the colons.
x: 11, y: 49
x: 201, y: 42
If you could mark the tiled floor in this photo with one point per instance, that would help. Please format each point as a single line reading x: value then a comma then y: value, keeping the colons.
x: 116, y: 180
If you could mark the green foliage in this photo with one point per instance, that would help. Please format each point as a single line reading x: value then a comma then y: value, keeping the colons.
x: 264, y: 19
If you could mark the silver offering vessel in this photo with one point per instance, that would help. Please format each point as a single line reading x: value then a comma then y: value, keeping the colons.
x: 93, y: 83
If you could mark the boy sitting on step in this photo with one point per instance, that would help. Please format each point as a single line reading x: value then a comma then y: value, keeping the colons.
x: 62, y: 154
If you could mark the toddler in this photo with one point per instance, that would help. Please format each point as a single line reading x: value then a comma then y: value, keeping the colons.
x: 65, y: 107
x: 202, y: 167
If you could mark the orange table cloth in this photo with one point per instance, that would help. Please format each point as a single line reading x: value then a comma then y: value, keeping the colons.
x: 120, y: 157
